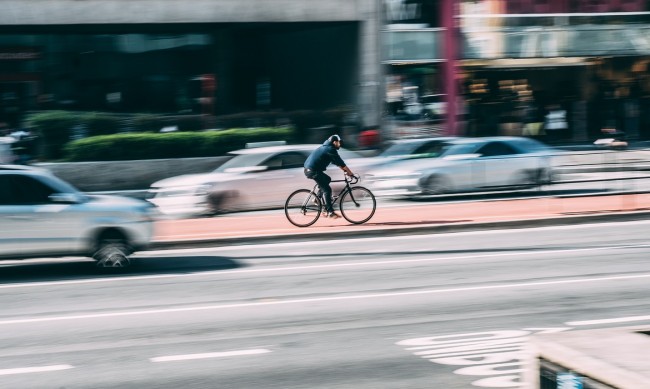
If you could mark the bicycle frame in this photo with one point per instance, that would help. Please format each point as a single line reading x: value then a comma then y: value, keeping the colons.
x: 348, y: 181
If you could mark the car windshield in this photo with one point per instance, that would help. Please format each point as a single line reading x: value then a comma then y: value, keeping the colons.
x: 459, y: 148
x: 400, y: 149
x: 532, y: 146
x: 243, y: 160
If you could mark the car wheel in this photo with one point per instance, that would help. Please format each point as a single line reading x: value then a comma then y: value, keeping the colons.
x: 533, y: 178
x: 220, y: 203
x: 112, y: 252
x: 435, y: 185
x: 526, y: 179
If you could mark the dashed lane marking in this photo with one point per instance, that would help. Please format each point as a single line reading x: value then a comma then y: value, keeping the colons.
x: 224, y: 354
x: 35, y: 369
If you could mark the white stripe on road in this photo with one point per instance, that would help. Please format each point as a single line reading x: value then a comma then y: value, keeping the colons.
x: 187, y: 357
x: 522, y: 253
x: 608, y: 321
x: 39, y: 369
x: 323, y: 299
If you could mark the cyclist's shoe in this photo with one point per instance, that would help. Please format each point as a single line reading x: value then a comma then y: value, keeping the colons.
x: 333, y: 215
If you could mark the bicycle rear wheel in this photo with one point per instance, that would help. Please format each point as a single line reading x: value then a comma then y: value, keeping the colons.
x: 302, y: 208
x: 358, y: 205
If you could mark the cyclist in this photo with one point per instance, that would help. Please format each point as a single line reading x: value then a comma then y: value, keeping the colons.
x: 316, y: 164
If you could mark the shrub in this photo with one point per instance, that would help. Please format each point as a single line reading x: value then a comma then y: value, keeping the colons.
x: 54, y: 129
x: 98, y: 123
x: 136, y: 146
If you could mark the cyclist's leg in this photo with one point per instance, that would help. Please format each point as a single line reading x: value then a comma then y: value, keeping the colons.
x: 323, y: 181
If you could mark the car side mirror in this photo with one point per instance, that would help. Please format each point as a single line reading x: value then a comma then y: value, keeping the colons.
x: 65, y: 198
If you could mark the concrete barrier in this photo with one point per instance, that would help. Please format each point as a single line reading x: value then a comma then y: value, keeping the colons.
x: 128, y: 175
x: 590, y: 359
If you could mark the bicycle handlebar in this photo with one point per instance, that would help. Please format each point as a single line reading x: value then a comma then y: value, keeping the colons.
x: 352, y: 179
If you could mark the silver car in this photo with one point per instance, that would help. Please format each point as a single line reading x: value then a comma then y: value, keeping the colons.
x: 467, y: 165
x: 6, y: 153
x: 43, y: 216
x: 255, y: 178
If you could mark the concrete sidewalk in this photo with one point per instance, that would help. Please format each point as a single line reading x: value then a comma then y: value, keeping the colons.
x: 429, y: 218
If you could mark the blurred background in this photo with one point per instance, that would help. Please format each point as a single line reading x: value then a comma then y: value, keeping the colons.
x: 368, y: 69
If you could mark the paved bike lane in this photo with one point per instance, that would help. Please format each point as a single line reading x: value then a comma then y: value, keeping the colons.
x: 273, y: 225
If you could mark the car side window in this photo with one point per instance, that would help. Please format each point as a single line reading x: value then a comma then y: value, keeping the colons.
x: 285, y: 161
x: 431, y: 149
x: 30, y: 191
x: 293, y: 160
x: 495, y: 149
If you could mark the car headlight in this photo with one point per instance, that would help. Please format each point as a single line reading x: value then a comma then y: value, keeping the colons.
x: 177, y: 191
x: 410, y: 175
x: 398, y: 175
x: 202, y: 190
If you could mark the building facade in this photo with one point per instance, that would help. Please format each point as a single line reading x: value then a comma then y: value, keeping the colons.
x: 507, y: 62
x: 205, y: 56
x: 515, y: 60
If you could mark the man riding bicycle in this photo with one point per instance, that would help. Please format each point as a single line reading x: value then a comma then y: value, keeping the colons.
x: 316, y: 164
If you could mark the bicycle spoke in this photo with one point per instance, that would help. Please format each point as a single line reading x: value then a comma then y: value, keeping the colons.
x: 302, y: 208
x: 358, y: 205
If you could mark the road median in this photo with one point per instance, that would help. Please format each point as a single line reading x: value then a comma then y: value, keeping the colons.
x: 405, y: 220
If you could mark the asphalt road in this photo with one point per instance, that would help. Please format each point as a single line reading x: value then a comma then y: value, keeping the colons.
x: 430, y: 311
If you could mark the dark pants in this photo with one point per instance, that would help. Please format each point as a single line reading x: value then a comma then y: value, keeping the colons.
x: 323, y: 181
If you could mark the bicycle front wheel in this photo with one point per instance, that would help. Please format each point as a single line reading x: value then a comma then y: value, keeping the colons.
x: 358, y: 205
x: 303, y: 208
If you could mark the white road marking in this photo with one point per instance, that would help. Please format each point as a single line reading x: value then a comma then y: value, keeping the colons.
x: 522, y: 253
x: 187, y: 357
x: 608, y: 321
x: 323, y: 299
x: 37, y: 369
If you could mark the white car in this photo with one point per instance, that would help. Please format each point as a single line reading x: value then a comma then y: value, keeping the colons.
x: 255, y: 178
x: 467, y: 165
x: 6, y: 152
x: 44, y: 216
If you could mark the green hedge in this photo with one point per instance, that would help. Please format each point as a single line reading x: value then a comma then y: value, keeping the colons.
x: 55, y: 129
x: 136, y: 146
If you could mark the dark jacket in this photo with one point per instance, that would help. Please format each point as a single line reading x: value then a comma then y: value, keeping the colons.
x: 320, y: 158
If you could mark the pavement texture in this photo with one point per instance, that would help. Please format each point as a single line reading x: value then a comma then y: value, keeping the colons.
x: 422, y: 218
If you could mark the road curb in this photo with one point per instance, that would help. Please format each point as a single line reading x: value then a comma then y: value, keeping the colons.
x: 352, y: 232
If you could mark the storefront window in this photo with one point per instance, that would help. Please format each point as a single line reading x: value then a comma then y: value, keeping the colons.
x: 106, y: 72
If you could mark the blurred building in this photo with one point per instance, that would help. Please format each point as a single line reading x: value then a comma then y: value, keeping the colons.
x: 204, y: 56
x: 508, y: 61
x: 515, y: 60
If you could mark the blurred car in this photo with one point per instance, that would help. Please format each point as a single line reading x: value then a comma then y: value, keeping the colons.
x: 6, y: 149
x: 434, y: 106
x: 409, y: 149
x: 44, y: 216
x: 255, y: 178
x: 467, y: 165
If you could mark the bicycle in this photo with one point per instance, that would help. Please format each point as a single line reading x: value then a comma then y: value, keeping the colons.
x: 357, y: 204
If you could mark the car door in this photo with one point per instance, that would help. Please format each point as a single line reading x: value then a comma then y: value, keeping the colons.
x: 284, y: 174
x: 31, y: 223
x: 495, y: 166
